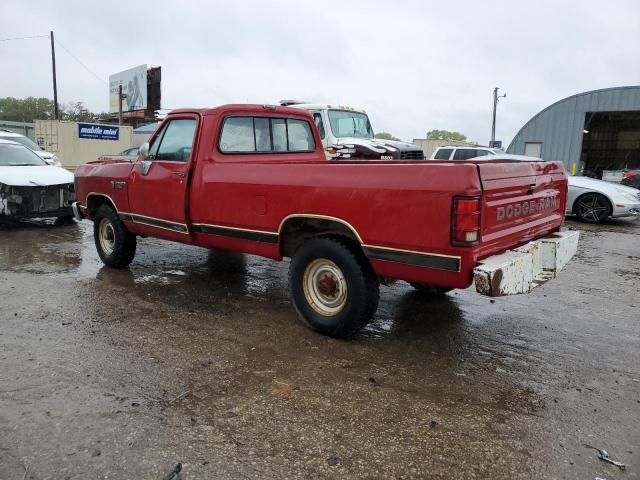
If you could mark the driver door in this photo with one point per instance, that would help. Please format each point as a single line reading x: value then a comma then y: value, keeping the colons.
x: 158, y: 185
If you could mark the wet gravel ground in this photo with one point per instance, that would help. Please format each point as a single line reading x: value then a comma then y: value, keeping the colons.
x: 197, y: 357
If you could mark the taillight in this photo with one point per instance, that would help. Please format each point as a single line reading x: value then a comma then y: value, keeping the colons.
x: 629, y: 175
x: 465, y: 228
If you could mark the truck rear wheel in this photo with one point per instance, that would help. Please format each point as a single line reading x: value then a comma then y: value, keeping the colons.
x: 115, y: 244
x: 334, y: 289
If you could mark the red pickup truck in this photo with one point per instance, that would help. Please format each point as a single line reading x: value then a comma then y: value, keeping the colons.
x: 255, y: 179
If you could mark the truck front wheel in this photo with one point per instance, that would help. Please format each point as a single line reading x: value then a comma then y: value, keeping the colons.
x: 115, y: 244
x: 333, y: 287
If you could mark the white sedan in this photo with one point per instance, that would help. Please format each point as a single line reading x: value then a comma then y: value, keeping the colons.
x: 594, y: 201
x: 48, y: 157
x: 29, y: 188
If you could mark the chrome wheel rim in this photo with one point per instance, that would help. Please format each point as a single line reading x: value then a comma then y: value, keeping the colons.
x: 325, y: 287
x: 106, y: 236
x: 593, y: 208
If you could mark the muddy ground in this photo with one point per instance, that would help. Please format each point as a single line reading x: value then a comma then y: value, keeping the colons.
x: 197, y: 357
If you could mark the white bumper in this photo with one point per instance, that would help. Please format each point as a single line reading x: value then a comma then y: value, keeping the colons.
x: 628, y: 210
x: 523, y: 268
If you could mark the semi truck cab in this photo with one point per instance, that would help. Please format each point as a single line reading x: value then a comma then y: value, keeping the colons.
x: 346, y: 132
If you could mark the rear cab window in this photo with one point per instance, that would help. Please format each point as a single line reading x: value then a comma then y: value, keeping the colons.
x: 252, y: 134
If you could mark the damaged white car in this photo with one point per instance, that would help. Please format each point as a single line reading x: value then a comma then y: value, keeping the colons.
x: 29, y: 188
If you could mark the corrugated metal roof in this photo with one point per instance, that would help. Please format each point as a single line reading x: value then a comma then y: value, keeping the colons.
x: 559, y: 126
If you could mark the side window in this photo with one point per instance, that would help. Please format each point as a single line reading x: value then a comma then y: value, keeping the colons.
x: 443, y: 154
x: 237, y: 135
x: 480, y: 153
x: 300, y: 136
x: 263, y: 135
x: 279, y: 132
x: 465, y: 153
x: 317, y: 118
x: 176, y: 141
x: 263, y: 138
x: 153, y: 149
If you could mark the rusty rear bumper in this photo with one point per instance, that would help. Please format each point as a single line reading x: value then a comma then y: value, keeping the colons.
x: 524, y: 268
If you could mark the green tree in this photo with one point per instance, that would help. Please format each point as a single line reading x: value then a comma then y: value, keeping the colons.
x: 445, y: 135
x: 76, y: 112
x: 31, y: 108
x: 385, y: 136
x: 25, y: 109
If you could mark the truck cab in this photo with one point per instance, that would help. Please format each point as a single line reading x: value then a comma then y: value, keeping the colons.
x: 346, y: 132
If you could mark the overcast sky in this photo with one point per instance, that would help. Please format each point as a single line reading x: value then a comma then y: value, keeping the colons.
x: 413, y: 65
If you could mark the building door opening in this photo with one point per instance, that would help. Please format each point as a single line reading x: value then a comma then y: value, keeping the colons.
x: 610, y: 141
x: 533, y: 149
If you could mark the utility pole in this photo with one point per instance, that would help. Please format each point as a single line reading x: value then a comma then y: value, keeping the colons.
x: 55, y: 86
x: 121, y: 97
x: 493, y: 123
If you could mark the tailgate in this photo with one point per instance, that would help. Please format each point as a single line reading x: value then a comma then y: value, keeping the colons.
x: 522, y: 200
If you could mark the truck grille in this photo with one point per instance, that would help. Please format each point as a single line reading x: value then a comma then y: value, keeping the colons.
x: 412, y: 155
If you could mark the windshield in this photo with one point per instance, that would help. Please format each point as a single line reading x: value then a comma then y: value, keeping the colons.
x: 350, y: 124
x: 17, y: 155
x: 26, y: 141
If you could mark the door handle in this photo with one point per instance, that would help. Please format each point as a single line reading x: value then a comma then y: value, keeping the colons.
x: 180, y: 174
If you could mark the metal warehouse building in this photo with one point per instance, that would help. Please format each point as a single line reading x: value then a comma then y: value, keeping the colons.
x: 589, y: 132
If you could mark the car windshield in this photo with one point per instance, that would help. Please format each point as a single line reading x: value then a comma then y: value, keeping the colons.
x: 350, y: 124
x: 18, y: 156
x: 26, y: 141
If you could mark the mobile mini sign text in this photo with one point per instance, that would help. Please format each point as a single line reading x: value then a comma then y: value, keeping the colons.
x: 98, y: 132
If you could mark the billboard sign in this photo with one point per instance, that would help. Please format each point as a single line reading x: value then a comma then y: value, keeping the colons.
x: 134, y: 86
x: 98, y: 132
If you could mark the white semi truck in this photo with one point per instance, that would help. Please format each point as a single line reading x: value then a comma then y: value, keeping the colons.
x: 346, y: 132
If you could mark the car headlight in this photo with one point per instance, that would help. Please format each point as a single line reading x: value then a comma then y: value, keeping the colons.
x: 628, y: 196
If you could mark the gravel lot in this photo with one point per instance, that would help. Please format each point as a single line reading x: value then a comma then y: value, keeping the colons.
x: 197, y: 357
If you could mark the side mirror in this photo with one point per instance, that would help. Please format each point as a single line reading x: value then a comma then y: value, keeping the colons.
x: 144, y: 150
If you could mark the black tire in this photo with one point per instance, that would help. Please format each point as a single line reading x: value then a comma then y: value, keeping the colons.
x: 592, y: 208
x: 333, y: 270
x: 427, y: 289
x: 115, y: 244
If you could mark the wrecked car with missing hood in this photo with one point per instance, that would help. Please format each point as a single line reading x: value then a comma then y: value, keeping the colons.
x: 29, y: 188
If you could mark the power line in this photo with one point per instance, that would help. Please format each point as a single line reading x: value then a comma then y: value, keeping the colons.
x: 83, y: 65
x: 22, y: 38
